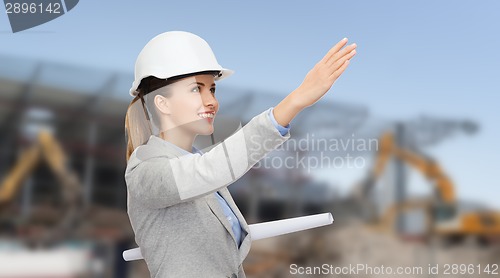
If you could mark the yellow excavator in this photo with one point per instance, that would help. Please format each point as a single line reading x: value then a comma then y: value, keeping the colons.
x: 443, y: 217
x: 45, y: 146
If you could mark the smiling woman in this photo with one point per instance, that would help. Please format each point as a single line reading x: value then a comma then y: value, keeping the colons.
x: 184, y: 218
x: 172, y: 109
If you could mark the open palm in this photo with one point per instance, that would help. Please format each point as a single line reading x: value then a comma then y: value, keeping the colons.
x: 321, y: 78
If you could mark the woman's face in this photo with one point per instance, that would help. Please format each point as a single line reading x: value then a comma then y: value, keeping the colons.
x: 192, y: 105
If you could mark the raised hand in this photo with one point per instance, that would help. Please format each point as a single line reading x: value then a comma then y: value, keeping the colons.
x: 321, y: 78
x: 316, y: 83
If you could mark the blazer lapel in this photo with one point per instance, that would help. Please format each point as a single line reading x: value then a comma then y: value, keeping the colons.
x: 214, y: 205
x: 247, y: 239
x: 227, y: 195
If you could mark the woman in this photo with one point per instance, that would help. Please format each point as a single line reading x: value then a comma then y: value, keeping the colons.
x: 184, y: 218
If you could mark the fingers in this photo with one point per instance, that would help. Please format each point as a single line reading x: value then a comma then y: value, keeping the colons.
x: 334, y: 50
x: 341, y: 61
x: 341, y: 54
x: 340, y: 70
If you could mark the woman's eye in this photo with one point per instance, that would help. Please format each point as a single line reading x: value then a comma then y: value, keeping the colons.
x: 198, y: 89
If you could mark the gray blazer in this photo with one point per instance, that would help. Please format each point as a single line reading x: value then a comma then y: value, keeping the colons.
x: 178, y: 223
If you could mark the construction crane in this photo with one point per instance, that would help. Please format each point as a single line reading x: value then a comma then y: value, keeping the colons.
x: 443, y: 218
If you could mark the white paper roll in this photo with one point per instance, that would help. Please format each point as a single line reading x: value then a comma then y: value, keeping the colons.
x: 266, y: 230
x: 132, y: 254
x: 290, y: 225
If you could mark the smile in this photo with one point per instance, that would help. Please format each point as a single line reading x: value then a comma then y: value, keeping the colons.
x: 206, y: 115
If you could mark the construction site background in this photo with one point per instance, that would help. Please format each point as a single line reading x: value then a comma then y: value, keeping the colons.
x: 64, y: 198
x: 403, y: 151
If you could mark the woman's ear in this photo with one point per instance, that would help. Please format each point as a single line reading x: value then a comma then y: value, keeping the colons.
x: 162, y: 104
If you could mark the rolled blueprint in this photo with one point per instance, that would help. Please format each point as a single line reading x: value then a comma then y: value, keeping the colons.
x: 266, y: 230
x: 132, y: 254
x: 290, y: 225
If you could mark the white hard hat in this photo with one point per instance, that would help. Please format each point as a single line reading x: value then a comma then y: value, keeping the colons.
x: 175, y: 53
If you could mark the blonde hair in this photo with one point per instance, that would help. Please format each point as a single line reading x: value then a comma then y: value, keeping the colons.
x: 135, y: 127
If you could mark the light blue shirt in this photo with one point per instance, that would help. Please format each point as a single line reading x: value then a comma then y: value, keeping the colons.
x: 231, y: 217
x: 282, y: 129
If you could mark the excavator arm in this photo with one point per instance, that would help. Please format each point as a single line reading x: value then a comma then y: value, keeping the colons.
x: 48, y: 147
x: 444, y: 187
x: 428, y: 167
x: 54, y: 156
x: 10, y: 185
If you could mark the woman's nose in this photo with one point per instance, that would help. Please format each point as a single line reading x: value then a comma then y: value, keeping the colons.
x: 209, y: 99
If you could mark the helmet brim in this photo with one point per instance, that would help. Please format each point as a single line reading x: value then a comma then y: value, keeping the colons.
x: 224, y: 73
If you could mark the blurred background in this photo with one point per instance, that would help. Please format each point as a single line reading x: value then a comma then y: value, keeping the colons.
x: 403, y: 150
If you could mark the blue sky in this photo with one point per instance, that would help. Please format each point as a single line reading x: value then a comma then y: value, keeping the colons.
x: 436, y: 58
